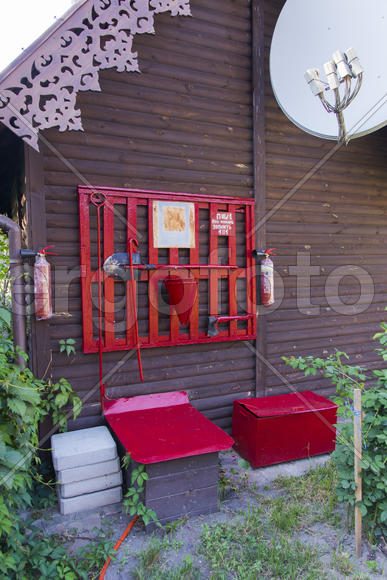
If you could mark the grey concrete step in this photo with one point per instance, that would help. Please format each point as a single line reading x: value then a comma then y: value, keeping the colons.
x: 83, y: 447
x: 90, y: 485
x: 90, y: 501
x: 88, y: 471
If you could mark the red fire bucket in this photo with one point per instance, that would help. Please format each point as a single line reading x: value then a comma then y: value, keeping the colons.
x: 182, y: 293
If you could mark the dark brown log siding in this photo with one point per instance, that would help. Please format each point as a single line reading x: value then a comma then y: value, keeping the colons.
x: 184, y: 124
x: 339, y: 218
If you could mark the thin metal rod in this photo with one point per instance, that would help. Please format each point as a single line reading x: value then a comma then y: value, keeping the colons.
x: 185, y: 267
x: 357, y: 459
x: 100, y: 350
x: 341, y: 103
x: 134, y: 302
x: 347, y: 93
x: 357, y: 88
x: 234, y: 317
x: 342, y: 128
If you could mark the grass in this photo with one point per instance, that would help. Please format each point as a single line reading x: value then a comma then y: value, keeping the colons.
x: 154, y: 565
x: 374, y: 567
x: 287, y: 515
x: 172, y: 527
x: 226, y: 485
x: 244, y: 550
x: 84, y: 562
x: 259, y: 543
x: 314, y: 494
x: 341, y: 562
x: 317, y: 484
x: 149, y: 558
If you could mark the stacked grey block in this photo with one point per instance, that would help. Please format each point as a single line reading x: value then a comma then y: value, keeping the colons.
x: 87, y: 469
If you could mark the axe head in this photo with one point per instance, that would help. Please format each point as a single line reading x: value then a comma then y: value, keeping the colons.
x: 212, y: 329
x: 117, y: 266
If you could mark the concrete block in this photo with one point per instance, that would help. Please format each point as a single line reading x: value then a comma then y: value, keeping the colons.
x: 89, y: 501
x: 83, y: 447
x: 90, y: 485
x: 88, y: 471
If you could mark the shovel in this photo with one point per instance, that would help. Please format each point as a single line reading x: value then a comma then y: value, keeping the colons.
x: 117, y: 266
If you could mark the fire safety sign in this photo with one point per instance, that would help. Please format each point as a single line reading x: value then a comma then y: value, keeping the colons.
x: 223, y: 224
x: 173, y: 224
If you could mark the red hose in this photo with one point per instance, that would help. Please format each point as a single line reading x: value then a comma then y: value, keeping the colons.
x: 118, y: 544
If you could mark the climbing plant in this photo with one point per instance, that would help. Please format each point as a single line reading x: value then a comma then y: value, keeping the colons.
x: 133, y: 502
x: 4, y: 272
x: 24, y: 402
x: 67, y: 345
x: 346, y: 378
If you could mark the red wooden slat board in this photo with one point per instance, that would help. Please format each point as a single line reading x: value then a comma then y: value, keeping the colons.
x: 177, y: 335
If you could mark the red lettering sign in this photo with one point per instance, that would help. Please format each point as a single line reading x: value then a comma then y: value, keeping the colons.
x: 223, y: 224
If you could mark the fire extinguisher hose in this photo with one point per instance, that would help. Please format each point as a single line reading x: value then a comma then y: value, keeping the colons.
x: 118, y: 544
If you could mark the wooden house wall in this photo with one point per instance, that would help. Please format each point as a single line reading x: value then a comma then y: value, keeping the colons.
x: 185, y: 125
x: 339, y: 217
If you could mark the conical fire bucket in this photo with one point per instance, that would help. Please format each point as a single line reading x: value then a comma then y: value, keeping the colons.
x: 182, y: 293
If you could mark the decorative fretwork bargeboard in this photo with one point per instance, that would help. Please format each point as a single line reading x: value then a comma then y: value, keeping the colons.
x: 41, y: 92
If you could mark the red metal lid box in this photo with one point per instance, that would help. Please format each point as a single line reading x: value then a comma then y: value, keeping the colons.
x: 269, y: 430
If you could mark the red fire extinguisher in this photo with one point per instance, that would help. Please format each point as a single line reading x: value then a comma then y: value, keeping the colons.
x: 42, y: 285
x: 267, y: 278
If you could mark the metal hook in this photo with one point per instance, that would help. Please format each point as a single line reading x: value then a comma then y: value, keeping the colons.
x: 134, y: 242
x: 98, y: 198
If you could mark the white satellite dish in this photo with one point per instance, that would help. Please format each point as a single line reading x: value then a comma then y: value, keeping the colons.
x: 306, y: 35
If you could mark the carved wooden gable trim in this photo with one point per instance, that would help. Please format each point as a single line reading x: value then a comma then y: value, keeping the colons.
x: 42, y: 91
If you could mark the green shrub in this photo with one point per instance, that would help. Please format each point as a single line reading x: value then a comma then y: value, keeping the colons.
x: 24, y: 402
x: 134, y: 498
x: 5, y: 290
x: 374, y: 427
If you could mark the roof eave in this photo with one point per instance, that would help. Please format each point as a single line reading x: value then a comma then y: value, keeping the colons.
x: 23, y: 56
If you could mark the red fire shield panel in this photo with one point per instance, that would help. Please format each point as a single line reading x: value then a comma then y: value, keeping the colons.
x: 215, y: 253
